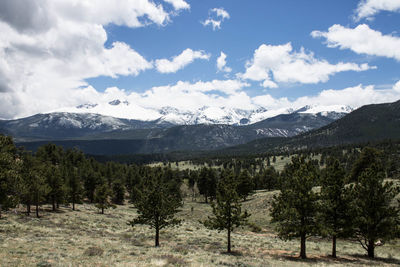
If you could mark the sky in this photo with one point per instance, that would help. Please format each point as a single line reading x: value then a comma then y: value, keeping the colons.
x: 186, y: 54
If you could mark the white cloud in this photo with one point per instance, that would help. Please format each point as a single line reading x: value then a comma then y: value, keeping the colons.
x: 355, y: 97
x: 274, y: 64
x: 187, y: 96
x: 221, y: 12
x: 221, y: 63
x: 361, y: 40
x: 369, y: 8
x: 180, y: 61
x: 178, y: 4
x: 49, y: 48
x: 215, y: 18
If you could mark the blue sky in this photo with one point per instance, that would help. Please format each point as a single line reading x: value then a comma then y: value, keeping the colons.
x: 251, y: 24
x: 278, y: 53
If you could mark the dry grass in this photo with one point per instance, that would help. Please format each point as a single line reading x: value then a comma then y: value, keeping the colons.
x: 87, y: 238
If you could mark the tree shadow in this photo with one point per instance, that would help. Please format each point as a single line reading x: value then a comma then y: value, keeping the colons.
x: 376, y: 260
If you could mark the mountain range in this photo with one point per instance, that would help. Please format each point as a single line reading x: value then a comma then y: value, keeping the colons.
x: 186, y: 131
x: 370, y: 123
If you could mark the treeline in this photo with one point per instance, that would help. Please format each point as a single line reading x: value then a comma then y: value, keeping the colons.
x: 57, y: 177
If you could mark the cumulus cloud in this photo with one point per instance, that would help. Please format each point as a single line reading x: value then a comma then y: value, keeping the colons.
x: 178, y: 4
x: 180, y: 61
x: 369, y: 8
x: 221, y: 63
x: 216, y: 17
x: 49, y: 48
x: 187, y: 96
x: 274, y: 64
x: 361, y: 40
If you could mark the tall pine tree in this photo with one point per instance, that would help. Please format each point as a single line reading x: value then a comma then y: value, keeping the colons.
x: 227, y: 209
x: 294, y: 210
x: 157, y: 203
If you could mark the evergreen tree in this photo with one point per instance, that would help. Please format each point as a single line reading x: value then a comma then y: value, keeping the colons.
x: 133, y: 181
x: 75, y: 188
x: 10, y: 178
x: 334, y: 203
x: 35, y: 186
x: 245, y: 184
x: 207, y: 183
x: 227, y: 208
x: 294, y: 209
x: 102, y: 197
x: 157, y: 204
x: 118, y: 189
x: 375, y: 218
x: 56, y: 185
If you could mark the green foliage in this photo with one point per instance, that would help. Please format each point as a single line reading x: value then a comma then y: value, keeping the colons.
x: 245, y: 184
x: 118, y: 189
x: 207, y: 183
x: 102, y: 197
x: 227, y: 209
x: 294, y: 210
x: 335, y: 199
x: 10, y: 179
x: 375, y: 218
x: 158, y: 202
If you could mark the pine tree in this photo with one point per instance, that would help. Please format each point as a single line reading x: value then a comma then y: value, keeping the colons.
x: 375, y: 218
x: 245, y: 184
x: 10, y: 178
x: 227, y: 208
x: 102, y: 197
x: 56, y: 184
x: 157, y: 204
x: 335, y: 201
x: 118, y: 189
x: 75, y: 188
x: 207, y: 183
x: 133, y: 181
x: 294, y: 209
x: 35, y: 187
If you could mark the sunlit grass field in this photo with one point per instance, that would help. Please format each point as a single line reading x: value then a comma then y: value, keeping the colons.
x: 86, y: 238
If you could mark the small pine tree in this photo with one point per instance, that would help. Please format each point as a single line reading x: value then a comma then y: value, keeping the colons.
x: 75, y: 187
x: 102, y: 197
x: 157, y: 204
x: 227, y: 208
x: 118, y: 192
x: 245, y: 184
x: 335, y: 201
x: 294, y: 209
x: 374, y: 217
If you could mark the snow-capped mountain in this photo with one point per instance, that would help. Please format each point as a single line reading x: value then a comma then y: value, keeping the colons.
x: 204, y: 115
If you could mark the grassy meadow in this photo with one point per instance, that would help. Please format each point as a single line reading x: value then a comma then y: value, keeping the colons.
x: 86, y: 238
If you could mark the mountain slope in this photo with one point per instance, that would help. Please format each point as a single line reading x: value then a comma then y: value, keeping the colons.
x: 368, y: 123
x: 61, y: 125
x: 185, y: 137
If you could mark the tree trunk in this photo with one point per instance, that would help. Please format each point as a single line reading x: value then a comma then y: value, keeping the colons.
x: 54, y: 203
x: 303, y: 246
x: 229, y: 240
x: 0, y: 210
x: 205, y: 197
x: 157, y: 236
x: 371, y: 249
x: 37, y: 209
x: 334, y: 246
x: 102, y: 210
x: 73, y: 205
x: 28, y: 209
